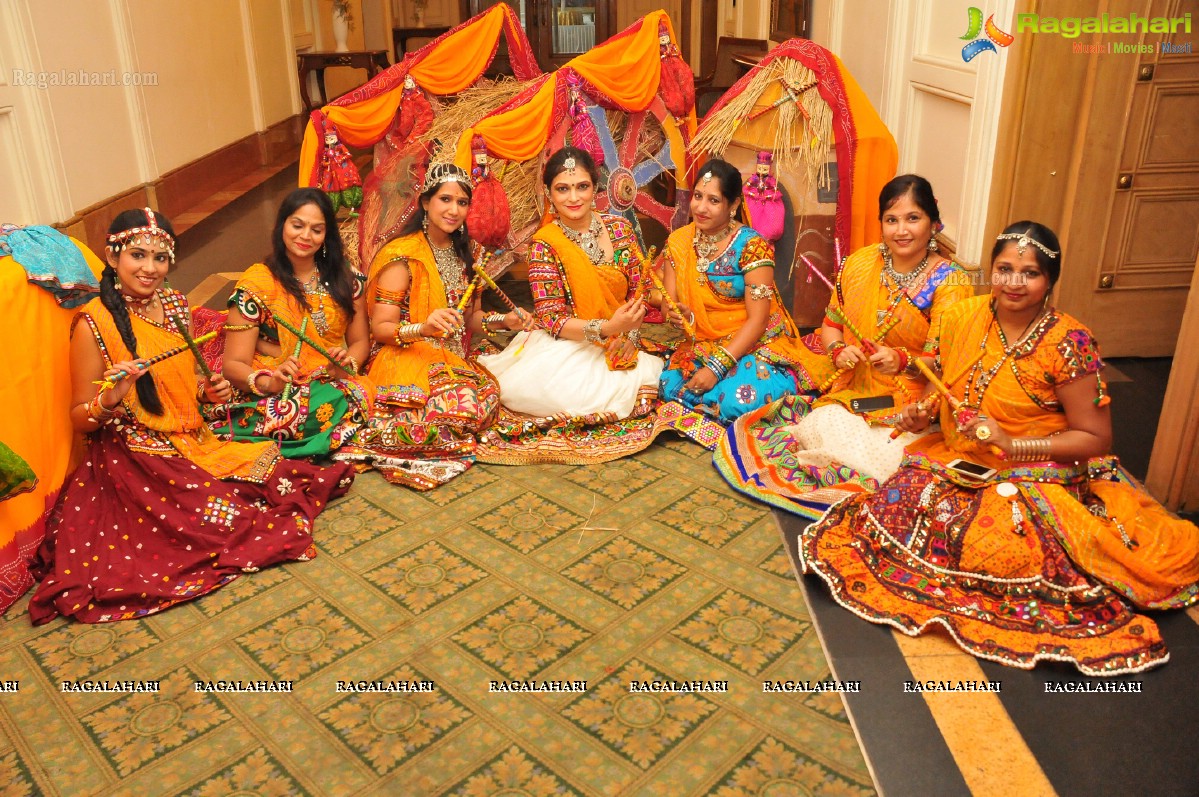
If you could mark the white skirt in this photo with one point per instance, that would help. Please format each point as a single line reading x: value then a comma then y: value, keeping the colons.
x: 551, y: 376
x: 832, y: 434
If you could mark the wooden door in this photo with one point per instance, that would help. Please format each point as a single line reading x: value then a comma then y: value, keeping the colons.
x: 1141, y: 199
x: 1102, y: 147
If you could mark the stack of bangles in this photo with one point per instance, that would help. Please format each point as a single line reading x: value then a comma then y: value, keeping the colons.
x: 720, y: 362
x: 1030, y: 449
x: 593, y: 331
x: 834, y: 349
x: 493, y: 323
x: 98, y: 413
x: 252, y: 380
x: 409, y: 333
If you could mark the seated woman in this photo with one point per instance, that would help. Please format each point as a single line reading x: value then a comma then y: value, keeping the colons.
x: 430, y: 402
x: 885, y: 312
x: 305, y: 398
x: 577, y: 389
x: 720, y: 274
x: 148, y: 520
x: 995, y: 528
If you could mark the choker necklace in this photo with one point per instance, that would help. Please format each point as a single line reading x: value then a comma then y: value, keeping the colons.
x: 705, y: 246
x: 588, y: 240
x: 138, y: 303
x: 902, y: 280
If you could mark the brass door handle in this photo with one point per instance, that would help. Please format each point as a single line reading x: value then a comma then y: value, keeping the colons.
x: 1124, y: 181
x: 1107, y: 281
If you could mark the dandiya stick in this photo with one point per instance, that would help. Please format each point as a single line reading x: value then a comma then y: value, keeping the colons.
x: 940, y: 387
x: 688, y: 327
x: 181, y: 328
x: 318, y: 348
x: 295, y: 353
x: 490, y: 283
x: 109, y: 383
x: 813, y: 270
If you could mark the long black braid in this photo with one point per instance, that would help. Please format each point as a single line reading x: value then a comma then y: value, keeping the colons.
x: 110, y: 296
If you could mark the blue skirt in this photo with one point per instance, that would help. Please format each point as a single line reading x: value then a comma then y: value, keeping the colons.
x: 752, y: 384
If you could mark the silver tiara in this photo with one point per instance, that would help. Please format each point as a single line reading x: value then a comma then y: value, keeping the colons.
x: 1022, y: 240
x: 444, y: 172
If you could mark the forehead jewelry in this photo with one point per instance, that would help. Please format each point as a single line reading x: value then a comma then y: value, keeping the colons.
x: 569, y: 164
x: 149, y: 235
x: 1022, y: 241
x: 707, y: 178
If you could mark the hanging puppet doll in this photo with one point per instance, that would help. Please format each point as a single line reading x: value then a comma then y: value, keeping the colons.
x: 764, y: 200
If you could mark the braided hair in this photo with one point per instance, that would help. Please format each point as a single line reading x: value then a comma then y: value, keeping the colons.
x: 114, y: 302
x: 330, y: 259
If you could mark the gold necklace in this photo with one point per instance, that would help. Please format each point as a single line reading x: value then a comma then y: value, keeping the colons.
x: 314, y: 287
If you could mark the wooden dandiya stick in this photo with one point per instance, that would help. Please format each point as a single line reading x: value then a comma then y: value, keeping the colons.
x: 941, y: 388
x: 318, y: 348
x: 295, y: 353
x: 109, y: 383
x: 480, y: 267
x: 181, y: 328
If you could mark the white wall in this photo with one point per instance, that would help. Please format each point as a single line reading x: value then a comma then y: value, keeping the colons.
x: 202, y: 75
x: 943, y: 112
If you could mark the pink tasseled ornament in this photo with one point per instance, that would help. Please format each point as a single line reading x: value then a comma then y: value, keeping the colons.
x: 488, y: 219
x: 677, y: 84
x: 582, y: 129
x: 764, y: 200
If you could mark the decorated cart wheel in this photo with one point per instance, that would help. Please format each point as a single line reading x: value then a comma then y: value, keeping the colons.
x: 626, y: 190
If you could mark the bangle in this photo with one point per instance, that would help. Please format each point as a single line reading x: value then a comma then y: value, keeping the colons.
x: 252, y: 382
x: 834, y: 349
x: 409, y: 333
x: 717, y: 367
x: 353, y: 369
x: 905, y: 359
x: 393, y: 298
x: 489, y: 320
x: 591, y: 331
x: 635, y: 337
x: 98, y: 413
x: 1031, y: 449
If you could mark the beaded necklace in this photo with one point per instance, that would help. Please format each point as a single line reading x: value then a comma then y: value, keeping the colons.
x: 452, y: 271
x: 902, y: 280
x: 588, y: 240
x: 978, y: 379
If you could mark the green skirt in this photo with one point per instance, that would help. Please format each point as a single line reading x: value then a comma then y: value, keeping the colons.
x: 314, y: 420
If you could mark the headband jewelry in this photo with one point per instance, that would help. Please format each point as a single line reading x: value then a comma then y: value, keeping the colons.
x: 149, y: 236
x: 1023, y: 240
x: 443, y: 172
x: 569, y: 164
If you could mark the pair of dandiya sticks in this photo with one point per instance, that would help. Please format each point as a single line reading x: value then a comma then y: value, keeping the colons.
x: 961, y: 414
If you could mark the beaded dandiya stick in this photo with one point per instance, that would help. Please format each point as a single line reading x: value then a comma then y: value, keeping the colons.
x: 961, y: 414
x: 491, y: 283
x: 110, y: 382
x: 813, y: 270
x: 295, y: 353
x: 181, y: 328
x: 688, y: 327
x: 318, y: 348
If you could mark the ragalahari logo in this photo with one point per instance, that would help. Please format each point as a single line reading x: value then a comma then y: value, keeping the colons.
x: 978, y: 44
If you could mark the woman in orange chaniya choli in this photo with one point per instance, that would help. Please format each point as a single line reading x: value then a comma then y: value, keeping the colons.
x: 161, y: 511
x: 1048, y: 556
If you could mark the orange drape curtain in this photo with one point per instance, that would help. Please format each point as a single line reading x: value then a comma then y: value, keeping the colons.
x: 626, y: 68
x: 448, y: 69
x: 875, y: 162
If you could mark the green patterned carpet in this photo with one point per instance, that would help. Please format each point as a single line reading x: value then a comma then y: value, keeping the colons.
x: 647, y: 568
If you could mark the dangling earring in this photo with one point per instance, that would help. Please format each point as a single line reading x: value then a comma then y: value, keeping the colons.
x: 324, y: 252
x: 882, y: 249
x: 932, y: 243
x: 424, y: 224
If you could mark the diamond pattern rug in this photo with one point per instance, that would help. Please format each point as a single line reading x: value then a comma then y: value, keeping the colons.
x: 648, y: 568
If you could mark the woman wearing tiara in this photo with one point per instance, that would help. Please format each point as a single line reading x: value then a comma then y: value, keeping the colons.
x: 1011, y: 528
x: 161, y: 511
x: 578, y: 389
x: 431, y: 400
x: 296, y: 336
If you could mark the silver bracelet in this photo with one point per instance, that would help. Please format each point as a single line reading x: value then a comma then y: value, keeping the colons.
x: 635, y: 337
x: 591, y: 331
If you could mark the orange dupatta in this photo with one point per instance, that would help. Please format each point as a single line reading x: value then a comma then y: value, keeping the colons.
x: 409, y: 365
x: 181, y: 422
x: 595, y: 291
x: 860, y: 297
